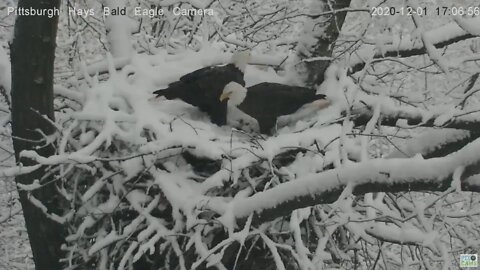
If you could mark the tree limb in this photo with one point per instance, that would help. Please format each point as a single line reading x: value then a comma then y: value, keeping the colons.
x: 377, y: 175
x: 455, y: 34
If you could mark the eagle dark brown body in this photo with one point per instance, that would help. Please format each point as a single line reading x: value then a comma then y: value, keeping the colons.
x: 202, y: 88
x: 268, y: 101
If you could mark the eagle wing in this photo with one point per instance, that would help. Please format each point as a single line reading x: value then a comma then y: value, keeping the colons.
x: 203, y: 87
x: 197, y: 74
x: 267, y: 101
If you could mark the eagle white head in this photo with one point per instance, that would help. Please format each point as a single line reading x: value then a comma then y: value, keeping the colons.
x: 234, y: 93
x: 240, y: 59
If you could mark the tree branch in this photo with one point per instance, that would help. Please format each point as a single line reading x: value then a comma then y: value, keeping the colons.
x: 377, y: 175
x: 412, y: 48
x: 416, y: 118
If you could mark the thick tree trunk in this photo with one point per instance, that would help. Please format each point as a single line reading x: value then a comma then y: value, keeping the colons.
x: 319, y: 37
x: 32, y: 55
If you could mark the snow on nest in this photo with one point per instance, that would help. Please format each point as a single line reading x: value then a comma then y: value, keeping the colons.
x: 124, y: 106
x: 124, y: 103
x: 156, y: 72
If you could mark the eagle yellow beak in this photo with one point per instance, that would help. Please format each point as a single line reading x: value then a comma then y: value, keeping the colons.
x: 225, y: 96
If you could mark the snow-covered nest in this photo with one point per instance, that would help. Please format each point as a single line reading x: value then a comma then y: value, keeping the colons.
x: 154, y: 182
x: 150, y: 176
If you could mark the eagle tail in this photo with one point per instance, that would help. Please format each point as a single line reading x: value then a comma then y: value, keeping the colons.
x: 168, y: 93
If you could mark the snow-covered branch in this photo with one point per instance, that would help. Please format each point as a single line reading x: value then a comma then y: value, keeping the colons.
x: 440, y: 37
x: 406, y: 117
x: 371, y: 176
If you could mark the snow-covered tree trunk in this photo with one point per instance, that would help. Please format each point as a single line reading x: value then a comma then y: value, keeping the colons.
x: 32, y: 56
x: 318, y: 39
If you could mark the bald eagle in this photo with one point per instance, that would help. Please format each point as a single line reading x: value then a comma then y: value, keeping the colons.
x: 267, y: 101
x: 203, y: 87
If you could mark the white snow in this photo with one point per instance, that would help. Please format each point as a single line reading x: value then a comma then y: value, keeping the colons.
x: 120, y: 153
